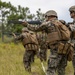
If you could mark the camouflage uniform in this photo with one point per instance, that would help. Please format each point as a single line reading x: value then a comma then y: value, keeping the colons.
x: 56, y: 62
x: 30, y: 52
x: 43, y: 46
x: 72, y: 28
x: 55, y: 59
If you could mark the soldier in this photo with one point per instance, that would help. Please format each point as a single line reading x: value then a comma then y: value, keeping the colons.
x: 72, y: 28
x: 30, y: 47
x: 56, y: 40
x: 43, y: 45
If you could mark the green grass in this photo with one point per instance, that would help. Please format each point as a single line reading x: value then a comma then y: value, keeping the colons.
x: 11, y: 61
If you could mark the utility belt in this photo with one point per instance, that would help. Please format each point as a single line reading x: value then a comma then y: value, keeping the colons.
x: 31, y: 46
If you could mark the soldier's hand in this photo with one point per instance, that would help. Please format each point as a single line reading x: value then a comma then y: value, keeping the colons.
x: 25, y: 24
x: 14, y: 34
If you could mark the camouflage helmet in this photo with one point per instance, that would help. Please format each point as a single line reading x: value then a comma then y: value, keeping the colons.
x: 25, y: 29
x: 72, y: 8
x: 51, y: 13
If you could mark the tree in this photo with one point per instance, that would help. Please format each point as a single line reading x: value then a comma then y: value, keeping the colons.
x: 39, y: 15
x: 10, y: 12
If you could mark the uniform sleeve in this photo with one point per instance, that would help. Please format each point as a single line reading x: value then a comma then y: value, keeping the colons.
x: 20, y: 37
x: 37, y: 28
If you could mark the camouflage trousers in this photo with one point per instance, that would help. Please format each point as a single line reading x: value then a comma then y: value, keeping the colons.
x: 43, y: 54
x: 73, y: 61
x: 28, y: 58
x: 56, y: 63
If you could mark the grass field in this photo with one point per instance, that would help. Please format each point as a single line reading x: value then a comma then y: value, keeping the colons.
x: 11, y: 57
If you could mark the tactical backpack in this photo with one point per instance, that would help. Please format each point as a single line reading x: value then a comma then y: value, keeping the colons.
x: 30, y: 39
x: 57, y: 31
x: 63, y: 30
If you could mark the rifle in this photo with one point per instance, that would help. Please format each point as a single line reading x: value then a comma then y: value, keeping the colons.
x: 10, y: 33
x: 21, y: 22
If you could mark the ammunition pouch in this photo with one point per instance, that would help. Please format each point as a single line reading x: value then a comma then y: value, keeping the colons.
x: 31, y: 47
x: 71, y: 52
x: 67, y: 49
x: 63, y: 48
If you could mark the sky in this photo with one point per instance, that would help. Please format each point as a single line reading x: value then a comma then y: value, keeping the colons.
x: 60, y: 6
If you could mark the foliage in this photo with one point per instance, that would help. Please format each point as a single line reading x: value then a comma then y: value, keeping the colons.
x: 10, y: 12
x: 11, y: 61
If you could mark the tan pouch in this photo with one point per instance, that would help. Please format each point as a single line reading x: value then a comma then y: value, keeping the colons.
x: 60, y: 48
x: 66, y: 48
x: 70, y: 53
x: 63, y: 48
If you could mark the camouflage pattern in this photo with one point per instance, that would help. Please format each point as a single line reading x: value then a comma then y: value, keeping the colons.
x: 25, y: 29
x: 73, y: 61
x: 62, y: 64
x: 52, y: 30
x: 43, y: 46
x: 28, y: 58
x: 55, y: 59
x: 51, y: 13
x: 72, y: 40
x: 72, y: 8
x: 29, y: 54
x: 56, y: 62
x: 72, y: 28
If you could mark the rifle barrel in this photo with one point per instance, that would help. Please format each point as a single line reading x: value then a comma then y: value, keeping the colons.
x: 20, y: 22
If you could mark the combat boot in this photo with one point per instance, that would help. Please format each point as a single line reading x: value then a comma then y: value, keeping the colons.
x: 28, y: 69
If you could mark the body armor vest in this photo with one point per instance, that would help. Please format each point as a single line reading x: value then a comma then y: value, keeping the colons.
x: 28, y: 43
x: 53, y: 33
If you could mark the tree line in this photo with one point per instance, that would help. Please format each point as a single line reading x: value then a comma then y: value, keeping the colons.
x: 10, y: 12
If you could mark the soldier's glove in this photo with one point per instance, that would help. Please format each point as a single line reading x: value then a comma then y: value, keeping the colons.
x: 25, y: 24
x: 14, y: 34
